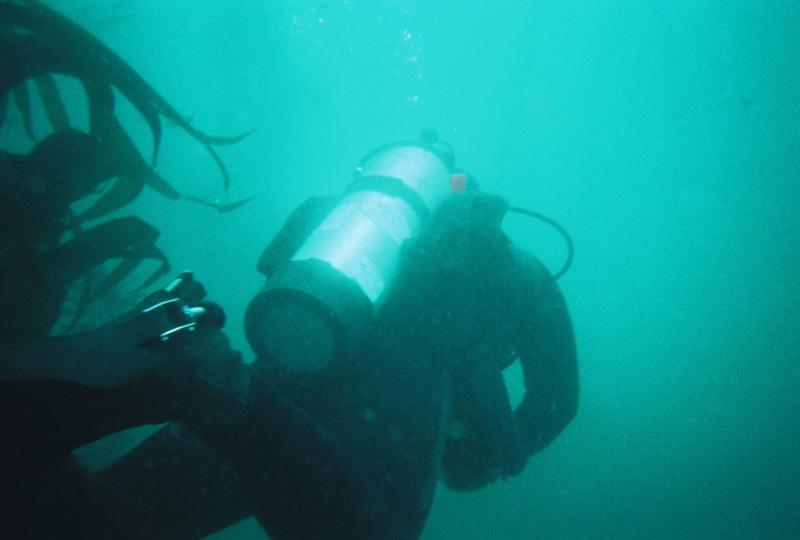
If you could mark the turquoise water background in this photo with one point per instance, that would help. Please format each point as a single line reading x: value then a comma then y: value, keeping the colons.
x: 664, y: 135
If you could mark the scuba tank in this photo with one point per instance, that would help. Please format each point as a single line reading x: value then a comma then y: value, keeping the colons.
x: 316, y: 307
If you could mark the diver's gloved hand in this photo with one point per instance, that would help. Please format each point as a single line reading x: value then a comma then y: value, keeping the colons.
x: 185, y: 289
x: 193, y: 357
x: 203, y: 369
x: 514, y: 455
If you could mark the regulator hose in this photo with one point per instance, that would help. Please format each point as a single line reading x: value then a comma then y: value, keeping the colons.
x: 541, y: 217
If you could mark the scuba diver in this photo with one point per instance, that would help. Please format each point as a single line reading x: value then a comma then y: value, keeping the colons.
x: 406, y: 279
x: 381, y: 334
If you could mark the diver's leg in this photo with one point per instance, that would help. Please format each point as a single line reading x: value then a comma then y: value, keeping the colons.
x: 172, y: 486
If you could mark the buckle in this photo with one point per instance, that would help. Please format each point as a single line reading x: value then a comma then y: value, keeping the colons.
x: 180, y: 317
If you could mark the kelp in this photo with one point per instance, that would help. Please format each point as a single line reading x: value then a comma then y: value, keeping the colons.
x: 36, y: 41
x: 130, y: 239
x: 53, y: 104
x: 37, y: 190
x: 38, y: 267
x: 22, y: 99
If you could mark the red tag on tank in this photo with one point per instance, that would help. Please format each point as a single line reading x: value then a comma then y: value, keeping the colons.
x: 458, y: 182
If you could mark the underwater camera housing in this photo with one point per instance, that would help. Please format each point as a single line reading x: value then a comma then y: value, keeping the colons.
x: 315, y: 308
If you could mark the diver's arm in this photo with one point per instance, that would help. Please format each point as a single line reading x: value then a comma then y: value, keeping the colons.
x: 173, y: 485
x: 546, y: 348
x: 251, y: 451
x: 299, y: 481
x: 43, y: 420
x: 295, y: 230
x: 63, y: 392
x: 286, y: 463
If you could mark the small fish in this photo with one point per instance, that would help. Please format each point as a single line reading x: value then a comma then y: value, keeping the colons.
x: 221, y: 208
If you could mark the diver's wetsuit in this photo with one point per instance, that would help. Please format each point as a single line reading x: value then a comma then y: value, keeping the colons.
x: 479, y: 302
x: 528, y: 320
x: 361, y: 459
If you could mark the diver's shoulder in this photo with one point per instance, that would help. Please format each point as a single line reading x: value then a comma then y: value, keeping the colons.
x: 531, y: 274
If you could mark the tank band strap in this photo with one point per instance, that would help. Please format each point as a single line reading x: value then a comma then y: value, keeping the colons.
x: 393, y: 187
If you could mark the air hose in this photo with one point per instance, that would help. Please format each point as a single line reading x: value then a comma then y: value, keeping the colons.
x: 561, y: 230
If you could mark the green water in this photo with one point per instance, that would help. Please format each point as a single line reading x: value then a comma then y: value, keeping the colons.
x: 665, y: 135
